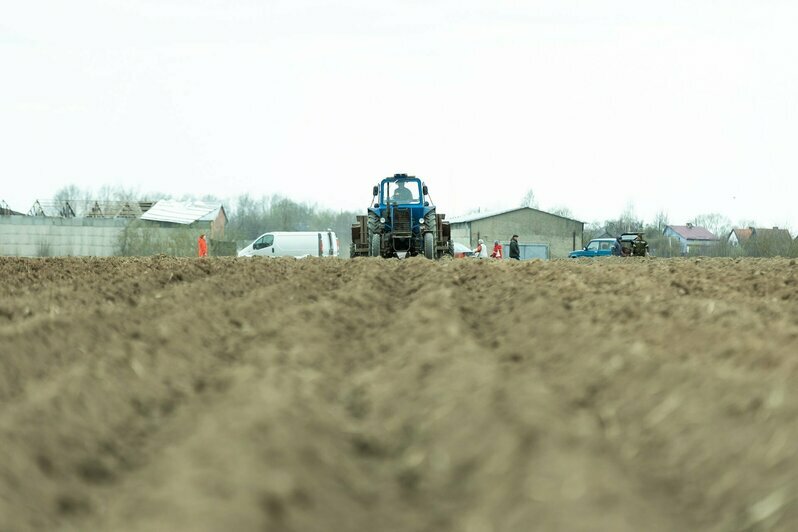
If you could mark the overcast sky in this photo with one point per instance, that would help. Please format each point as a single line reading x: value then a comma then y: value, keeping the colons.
x: 685, y: 106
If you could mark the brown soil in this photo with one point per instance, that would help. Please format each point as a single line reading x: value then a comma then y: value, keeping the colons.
x: 324, y: 395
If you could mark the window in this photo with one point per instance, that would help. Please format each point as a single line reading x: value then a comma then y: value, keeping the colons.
x: 605, y: 245
x: 264, y: 242
x: 593, y: 246
x: 402, y: 191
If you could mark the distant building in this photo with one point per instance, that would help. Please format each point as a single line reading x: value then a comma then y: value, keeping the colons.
x: 739, y: 236
x: 204, y: 215
x: 761, y: 241
x: 692, y: 239
x: 540, y: 234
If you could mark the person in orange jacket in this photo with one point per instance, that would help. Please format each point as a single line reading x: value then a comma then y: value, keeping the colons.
x: 497, y: 250
x: 203, y: 246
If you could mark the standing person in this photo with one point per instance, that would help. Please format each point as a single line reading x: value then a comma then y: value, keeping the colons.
x: 515, y: 251
x: 202, y: 245
x: 639, y: 246
x: 481, y: 251
x: 497, y: 250
x: 617, y: 249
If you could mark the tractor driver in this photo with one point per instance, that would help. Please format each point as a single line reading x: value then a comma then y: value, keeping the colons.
x: 402, y: 194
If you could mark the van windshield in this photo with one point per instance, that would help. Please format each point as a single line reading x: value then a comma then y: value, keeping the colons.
x: 263, y: 242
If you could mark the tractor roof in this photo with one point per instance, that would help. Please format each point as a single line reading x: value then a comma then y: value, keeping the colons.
x: 396, y: 177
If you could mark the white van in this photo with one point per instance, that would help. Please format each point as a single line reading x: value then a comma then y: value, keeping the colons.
x: 293, y: 244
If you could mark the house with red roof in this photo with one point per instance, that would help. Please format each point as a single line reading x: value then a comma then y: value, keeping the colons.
x: 693, y: 240
x: 761, y: 241
x: 738, y: 236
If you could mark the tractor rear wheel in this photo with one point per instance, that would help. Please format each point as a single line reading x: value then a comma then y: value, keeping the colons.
x: 375, y: 251
x: 429, y: 245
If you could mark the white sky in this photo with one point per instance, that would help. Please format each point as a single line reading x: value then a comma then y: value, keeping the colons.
x: 684, y: 106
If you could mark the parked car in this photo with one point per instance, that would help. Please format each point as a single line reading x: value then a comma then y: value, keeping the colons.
x: 462, y: 251
x: 598, y: 247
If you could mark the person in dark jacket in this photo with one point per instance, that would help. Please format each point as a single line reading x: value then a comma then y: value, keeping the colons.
x: 515, y: 251
x: 617, y: 250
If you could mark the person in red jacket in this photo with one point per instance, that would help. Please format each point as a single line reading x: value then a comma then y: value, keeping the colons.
x: 497, y: 250
x: 203, y: 246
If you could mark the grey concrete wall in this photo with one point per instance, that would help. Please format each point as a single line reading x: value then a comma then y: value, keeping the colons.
x: 30, y: 236
x: 461, y: 233
x: 531, y: 226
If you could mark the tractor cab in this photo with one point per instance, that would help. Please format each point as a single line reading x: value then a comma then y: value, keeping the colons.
x: 401, y: 190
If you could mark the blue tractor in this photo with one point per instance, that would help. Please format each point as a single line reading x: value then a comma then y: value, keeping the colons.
x: 401, y: 222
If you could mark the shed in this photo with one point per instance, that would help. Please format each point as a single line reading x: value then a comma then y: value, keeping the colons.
x: 540, y: 234
x: 205, y: 215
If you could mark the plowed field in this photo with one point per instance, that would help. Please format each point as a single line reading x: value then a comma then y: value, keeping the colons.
x: 165, y: 394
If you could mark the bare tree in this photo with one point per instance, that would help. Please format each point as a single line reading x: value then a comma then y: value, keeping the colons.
x: 69, y: 192
x: 716, y: 223
x: 562, y: 211
x: 115, y: 193
x: 67, y: 199
x: 529, y: 199
x: 592, y: 230
x: 660, y: 221
x: 745, y: 223
x: 626, y: 222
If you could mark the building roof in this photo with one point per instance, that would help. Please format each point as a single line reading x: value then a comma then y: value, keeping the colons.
x: 67, y: 208
x: 482, y: 215
x: 183, y: 212
x: 772, y: 233
x: 692, y: 232
x: 742, y: 234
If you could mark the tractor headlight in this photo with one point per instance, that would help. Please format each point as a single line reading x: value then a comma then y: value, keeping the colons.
x: 382, y: 220
x: 421, y: 221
